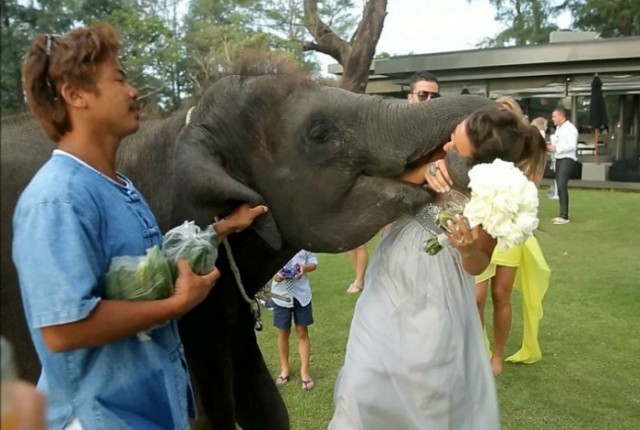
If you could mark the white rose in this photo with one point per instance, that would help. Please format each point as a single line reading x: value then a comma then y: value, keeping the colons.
x: 527, y: 222
x: 504, y: 201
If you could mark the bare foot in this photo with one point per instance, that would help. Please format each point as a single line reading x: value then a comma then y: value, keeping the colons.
x: 496, y: 365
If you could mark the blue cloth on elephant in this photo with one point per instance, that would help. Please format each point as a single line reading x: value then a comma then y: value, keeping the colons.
x: 69, y: 223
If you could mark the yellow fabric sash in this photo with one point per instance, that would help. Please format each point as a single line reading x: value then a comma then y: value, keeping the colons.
x: 532, y: 280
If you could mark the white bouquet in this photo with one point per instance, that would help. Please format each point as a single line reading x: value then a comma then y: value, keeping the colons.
x: 502, y: 200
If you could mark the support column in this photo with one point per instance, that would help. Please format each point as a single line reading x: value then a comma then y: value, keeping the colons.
x: 620, y: 127
x: 574, y: 110
x: 635, y: 125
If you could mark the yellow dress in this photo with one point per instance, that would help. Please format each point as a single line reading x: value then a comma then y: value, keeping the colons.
x: 532, y: 280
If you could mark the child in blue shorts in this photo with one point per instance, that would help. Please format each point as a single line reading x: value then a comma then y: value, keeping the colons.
x: 292, y: 281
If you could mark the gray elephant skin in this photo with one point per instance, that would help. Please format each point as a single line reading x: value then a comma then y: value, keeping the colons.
x: 325, y: 162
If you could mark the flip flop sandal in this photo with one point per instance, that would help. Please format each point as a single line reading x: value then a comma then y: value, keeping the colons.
x: 307, y: 385
x: 282, y: 380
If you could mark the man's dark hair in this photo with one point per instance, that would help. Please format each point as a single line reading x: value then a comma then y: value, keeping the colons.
x: 53, y: 60
x: 423, y: 75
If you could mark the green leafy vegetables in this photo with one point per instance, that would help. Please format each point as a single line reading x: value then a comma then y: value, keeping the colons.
x: 151, y: 276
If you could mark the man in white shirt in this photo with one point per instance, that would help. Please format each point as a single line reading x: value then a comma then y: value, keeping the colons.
x: 564, y: 143
x: 292, y: 281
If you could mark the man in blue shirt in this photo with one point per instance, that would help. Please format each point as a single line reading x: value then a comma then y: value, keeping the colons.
x: 77, y: 214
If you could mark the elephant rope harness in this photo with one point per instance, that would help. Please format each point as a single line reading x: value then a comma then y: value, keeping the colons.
x: 253, y: 303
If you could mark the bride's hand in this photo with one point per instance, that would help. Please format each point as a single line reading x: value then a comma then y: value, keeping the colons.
x: 461, y: 236
x: 437, y: 176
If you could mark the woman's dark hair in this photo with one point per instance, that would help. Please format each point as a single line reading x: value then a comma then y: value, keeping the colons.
x: 498, y: 133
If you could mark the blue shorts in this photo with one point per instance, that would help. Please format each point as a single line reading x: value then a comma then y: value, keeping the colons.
x: 302, y: 315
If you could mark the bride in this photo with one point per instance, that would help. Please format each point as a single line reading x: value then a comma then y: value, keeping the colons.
x: 416, y: 357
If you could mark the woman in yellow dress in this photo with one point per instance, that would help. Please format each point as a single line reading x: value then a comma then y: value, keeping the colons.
x: 525, y: 268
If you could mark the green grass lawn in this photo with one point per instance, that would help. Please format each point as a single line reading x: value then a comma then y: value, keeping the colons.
x: 589, y: 377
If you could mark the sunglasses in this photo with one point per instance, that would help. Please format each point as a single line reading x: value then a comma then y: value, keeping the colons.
x: 47, y: 60
x: 426, y: 95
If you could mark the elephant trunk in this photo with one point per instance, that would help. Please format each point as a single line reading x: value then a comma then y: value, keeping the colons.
x: 416, y: 130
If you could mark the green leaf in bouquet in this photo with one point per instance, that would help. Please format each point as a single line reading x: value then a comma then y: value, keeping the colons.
x: 445, y: 216
x: 432, y: 246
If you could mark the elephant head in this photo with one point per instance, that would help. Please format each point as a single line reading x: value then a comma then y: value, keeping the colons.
x: 326, y: 161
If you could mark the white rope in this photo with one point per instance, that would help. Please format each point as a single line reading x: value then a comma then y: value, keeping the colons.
x: 255, y: 308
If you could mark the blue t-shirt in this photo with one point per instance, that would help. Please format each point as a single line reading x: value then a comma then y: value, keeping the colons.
x: 69, y: 223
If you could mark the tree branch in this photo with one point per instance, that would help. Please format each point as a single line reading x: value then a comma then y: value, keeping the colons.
x: 363, y: 46
x: 151, y: 93
x: 327, y: 41
x: 371, y: 24
x: 311, y: 46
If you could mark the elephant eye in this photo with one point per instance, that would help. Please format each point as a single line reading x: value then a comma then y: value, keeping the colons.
x: 323, y: 132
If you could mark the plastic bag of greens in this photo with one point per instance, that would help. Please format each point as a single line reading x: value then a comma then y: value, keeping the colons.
x: 198, y: 247
x: 145, y: 277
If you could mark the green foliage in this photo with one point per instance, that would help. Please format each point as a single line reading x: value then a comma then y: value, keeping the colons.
x: 13, y: 44
x: 20, y: 24
x: 529, y: 22
x: 587, y: 378
x: 610, y: 18
x: 283, y: 21
x: 216, y: 33
x: 340, y: 16
x: 168, y: 54
x: 148, y: 52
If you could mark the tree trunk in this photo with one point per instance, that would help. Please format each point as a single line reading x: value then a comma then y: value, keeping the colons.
x: 355, y: 56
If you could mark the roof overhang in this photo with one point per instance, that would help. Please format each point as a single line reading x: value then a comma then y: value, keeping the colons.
x: 561, y: 68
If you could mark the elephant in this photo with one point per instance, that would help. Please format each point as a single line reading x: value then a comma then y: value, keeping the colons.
x: 325, y: 161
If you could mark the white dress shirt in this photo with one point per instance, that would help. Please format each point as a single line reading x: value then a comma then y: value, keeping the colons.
x: 565, y: 140
x: 295, y: 288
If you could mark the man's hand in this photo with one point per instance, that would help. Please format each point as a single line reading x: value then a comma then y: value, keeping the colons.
x: 241, y: 218
x: 278, y: 277
x: 551, y: 147
x: 191, y: 289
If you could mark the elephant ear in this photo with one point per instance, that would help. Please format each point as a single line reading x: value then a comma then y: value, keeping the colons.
x: 203, y: 188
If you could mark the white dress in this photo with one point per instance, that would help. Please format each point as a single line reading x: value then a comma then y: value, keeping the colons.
x: 415, y: 357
